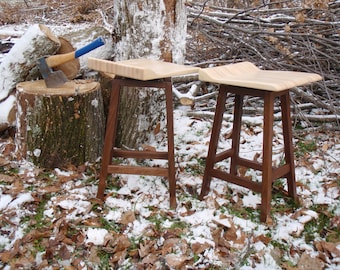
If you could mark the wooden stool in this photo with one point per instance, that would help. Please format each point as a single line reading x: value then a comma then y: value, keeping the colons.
x: 246, y: 79
x: 139, y: 73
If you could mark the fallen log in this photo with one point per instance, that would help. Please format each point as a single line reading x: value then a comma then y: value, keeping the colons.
x: 20, y: 63
x: 59, y: 126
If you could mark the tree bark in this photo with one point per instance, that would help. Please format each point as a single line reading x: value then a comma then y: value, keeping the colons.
x: 146, y: 29
x: 58, y: 126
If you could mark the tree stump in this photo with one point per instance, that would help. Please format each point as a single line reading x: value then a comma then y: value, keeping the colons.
x: 59, y: 126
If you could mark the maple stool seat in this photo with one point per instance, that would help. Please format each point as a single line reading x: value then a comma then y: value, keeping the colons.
x: 138, y: 73
x: 245, y: 79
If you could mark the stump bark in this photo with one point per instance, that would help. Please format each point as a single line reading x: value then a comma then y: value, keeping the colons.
x: 59, y: 126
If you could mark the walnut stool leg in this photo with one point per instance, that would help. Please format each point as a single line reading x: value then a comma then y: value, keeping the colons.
x: 288, y: 145
x: 210, y: 162
x: 238, y: 111
x: 171, y: 148
x: 267, y: 169
x: 110, y: 136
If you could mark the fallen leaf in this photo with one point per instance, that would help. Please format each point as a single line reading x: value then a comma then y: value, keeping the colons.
x: 49, y: 189
x: 122, y: 243
x: 94, y: 258
x: 157, y: 129
x: 150, y: 148
x: 307, y: 262
x: 145, y: 249
x: 127, y: 217
x: 198, y: 248
x: 64, y: 253
x: 3, y: 161
x: 150, y: 259
x: 175, y: 260
x: 331, y: 249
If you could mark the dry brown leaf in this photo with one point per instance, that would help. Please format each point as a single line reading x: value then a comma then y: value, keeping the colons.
x: 150, y: 259
x: 49, y: 189
x: 93, y: 257
x: 264, y: 239
x: 175, y: 260
x: 64, y: 253
x: 307, y: 262
x: 119, y: 256
x: 287, y: 28
x: 145, y: 249
x: 7, y: 178
x: 169, y: 245
x: 8, y: 255
x: 231, y: 234
x: 23, y: 262
x: 325, y: 147
x: 122, y: 243
x: 257, y: 156
x: 127, y: 217
x: 3, y: 161
x: 17, y: 187
x: 69, y: 267
x: 198, y: 248
x: 157, y: 129
x: 36, y: 234
x: 300, y: 17
x: 92, y: 222
x: 227, y: 136
x: 329, y: 248
x: 150, y: 148
x: 78, y: 263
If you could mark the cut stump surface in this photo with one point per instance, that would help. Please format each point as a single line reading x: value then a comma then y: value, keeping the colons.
x: 59, y: 126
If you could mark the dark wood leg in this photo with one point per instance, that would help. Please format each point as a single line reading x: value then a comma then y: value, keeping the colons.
x: 235, y: 146
x: 288, y: 144
x: 267, y: 169
x: 171, y: 148
x: 216, y: 128
x: 110, y: 136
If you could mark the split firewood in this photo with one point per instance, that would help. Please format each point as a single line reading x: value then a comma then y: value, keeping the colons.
x: 20, y: 63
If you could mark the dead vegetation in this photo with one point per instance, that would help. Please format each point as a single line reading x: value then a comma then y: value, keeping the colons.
x: 52, y: 11
x: 277, y: 36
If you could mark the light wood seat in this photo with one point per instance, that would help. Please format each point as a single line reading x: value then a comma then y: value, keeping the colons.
x: 141, y: 69
x: 139, y: 73
x: 245, y: 79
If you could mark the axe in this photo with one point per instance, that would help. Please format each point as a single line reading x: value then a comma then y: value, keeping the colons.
x: 58, y: 78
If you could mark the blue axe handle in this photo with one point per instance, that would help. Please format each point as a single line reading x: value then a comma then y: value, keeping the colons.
x: 89, y: 47
x: 56, y: 60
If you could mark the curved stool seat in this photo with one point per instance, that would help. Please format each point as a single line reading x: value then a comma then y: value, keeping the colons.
x: 139, y: 73
x: 245, y: 79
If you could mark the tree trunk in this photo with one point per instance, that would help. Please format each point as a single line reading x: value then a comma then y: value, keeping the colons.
x: 58, y: 126
x: 146, y: 29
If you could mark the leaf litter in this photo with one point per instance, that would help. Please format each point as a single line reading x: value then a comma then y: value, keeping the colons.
x: 52, y: 219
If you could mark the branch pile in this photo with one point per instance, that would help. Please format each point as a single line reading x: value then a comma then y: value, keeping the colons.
x: 289, y: 38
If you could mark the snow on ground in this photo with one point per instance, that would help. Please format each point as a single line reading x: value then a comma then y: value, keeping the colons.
x: 226, y: 223
x: 47, y: 212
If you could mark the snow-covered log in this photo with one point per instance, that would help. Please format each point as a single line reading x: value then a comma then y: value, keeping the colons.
x: 59, y: 126
x: 20, y: 64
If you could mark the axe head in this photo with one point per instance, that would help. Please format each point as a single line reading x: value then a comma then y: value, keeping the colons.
x: 53, y: 79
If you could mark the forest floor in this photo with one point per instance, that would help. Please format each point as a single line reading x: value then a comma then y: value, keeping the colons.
x: 51, y: 219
